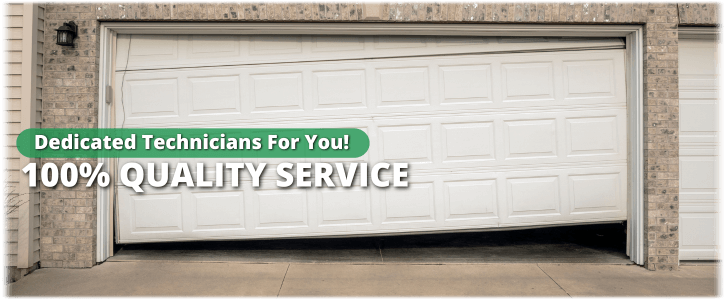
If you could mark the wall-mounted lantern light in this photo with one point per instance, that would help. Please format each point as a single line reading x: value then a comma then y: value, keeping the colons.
x: 67, y: 33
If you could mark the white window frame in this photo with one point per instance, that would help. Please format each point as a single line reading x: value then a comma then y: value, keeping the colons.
x: 633, y: 35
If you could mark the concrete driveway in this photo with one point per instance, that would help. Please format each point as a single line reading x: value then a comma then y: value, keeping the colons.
x: 376, y: 279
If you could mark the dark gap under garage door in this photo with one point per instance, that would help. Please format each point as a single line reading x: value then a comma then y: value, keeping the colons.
x: 604, y: 243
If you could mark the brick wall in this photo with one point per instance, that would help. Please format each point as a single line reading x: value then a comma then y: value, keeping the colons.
x: 661, y: 135
x: 72, y: 87
x: 68, y: 215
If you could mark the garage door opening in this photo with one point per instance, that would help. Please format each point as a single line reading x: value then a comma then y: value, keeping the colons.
x: 498, y: 131
x: 598, y: 243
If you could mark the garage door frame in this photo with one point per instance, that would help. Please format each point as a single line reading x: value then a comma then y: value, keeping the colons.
x: 634, y: 81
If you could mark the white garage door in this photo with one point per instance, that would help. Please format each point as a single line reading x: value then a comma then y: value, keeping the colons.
x: 698, y: 84
x: 499, y: 132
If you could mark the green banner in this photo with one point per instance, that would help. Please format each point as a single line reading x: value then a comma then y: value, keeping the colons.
x: 194, y: 143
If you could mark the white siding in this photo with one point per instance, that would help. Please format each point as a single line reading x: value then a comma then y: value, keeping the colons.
x: 19, y: 79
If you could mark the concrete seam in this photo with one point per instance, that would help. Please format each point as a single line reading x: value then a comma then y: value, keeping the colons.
x: 283, y: 280
x: 548, y: 275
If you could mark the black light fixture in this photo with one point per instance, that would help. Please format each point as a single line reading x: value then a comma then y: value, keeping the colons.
x: 67, y: 33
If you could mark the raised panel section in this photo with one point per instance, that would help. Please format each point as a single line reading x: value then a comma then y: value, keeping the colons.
x: 699, y: 197
x: 157, y: 213
x: 205, y: 46
x: 700, y: 229
x: 698, y: 172
x: 337, y: 43
x: 467, y: 200
x: 390, y: 42
x: 219, y: 210
x: 528, y: 81
x: 403, y: 86
x: 698, y: 116
x: 282, y: 208
x: 465, y: 84
x: 589, y: 79
x: 215, y: 95
x: 277, y: 92
x: 339, y: 89
x: 275, y: 44
x: 594, y: 193
x: 153, y: 47
x: 698, y: 81
x: 698, y: 56
x: 153, y: 98
x: 468, y: 141
x: 443, y: 41
x: 530, y: 138
x: 412, y: 204
x: 592, y: 136
x: 406, y: 143
x: 344, y: 206
x: 533, y: 196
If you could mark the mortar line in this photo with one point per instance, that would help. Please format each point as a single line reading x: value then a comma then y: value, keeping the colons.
x: 283, y: 280
x: 548, y: 275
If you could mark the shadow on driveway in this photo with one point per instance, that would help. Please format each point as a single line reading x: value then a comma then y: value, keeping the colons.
x: 604, y: 243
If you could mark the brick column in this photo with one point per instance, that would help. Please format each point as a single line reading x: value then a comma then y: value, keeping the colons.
x: 70, y: 93
x: 661, y: 136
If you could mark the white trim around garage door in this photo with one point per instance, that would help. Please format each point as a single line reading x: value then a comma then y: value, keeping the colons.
x: 634, y: 75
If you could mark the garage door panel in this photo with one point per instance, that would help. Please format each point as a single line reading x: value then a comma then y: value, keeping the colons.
x: 528, y: 81
x: 465, y: 84
x: 470, y: 199
x: 160, y: 212
x: 499, y: 140
x: 402, y: 86
x: 156, y: 213
x: 594, y: 193
x: 589, y: 79
x: 698, y: 143
x: 533, y: 196
x: 564, y: 194
x: 211, y: 46
x: 698, y: 177
x: 154, y: 49
x: 173, y: 51
x: 215, y: 95
x: 379, y: 87
x: 220, y: 210
x: 153, y: 98
x: 530, y: 139
x: 412, y: 204
x: 344, y: 207
x: 410, y: 143
x: 275, y: 44
x: 468, y: 141
x: 282, y: 208
x: 593, y: 136
x: 701, y: 243
x: 276, y: 92
x: 339, y: 89
x: 337, y: 43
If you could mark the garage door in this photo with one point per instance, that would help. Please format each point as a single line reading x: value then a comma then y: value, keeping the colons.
x: 499, y: 132
x: 698, y: 155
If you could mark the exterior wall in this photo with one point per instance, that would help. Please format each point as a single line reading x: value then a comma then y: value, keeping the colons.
x: 68, y: 227
x: 24, y: 51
